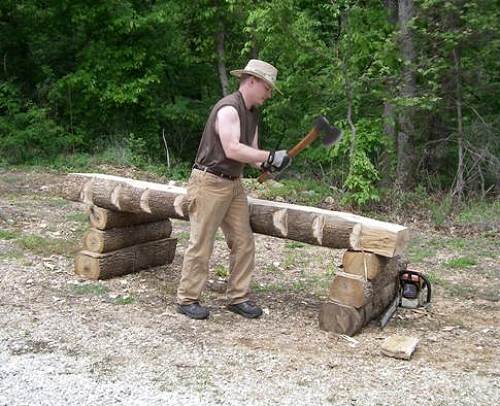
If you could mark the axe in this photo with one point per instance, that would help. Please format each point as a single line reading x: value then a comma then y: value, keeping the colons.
x: 330, y: 135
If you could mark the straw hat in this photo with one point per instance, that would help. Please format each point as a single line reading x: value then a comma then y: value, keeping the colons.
x: 260, y: 69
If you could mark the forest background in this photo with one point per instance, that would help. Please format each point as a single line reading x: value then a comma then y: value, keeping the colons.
x: 414, y: 84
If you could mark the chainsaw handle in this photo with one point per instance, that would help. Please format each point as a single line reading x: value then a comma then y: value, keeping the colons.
x: 427, y: 283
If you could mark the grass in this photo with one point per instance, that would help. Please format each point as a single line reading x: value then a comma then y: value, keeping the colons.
x: 78, y: 217
x: 461, y: 263
x: 46, y: 246
x: 182, y: 235
x: 124, y: 300
x: 95, y: 289
x: 221, y: 271
x: 294, y: 244
x: 9, y: 235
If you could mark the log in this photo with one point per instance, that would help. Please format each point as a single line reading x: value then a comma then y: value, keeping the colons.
x: 104, y: 219
x: 355, y: 290
x: 344, y: 319
x: 92, y: 265
x: 301, y: 223
x: 116, y: 238
x: 353, y: 301
x: 365, y: 264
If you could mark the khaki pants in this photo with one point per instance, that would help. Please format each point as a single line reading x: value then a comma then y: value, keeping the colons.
x: 217, y: 202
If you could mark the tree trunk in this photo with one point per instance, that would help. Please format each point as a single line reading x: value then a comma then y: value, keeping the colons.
x: 301, y: 223
x: 116, y: 238
x: 221, y: 61
x: 406, y: 134
x: 458, y: 190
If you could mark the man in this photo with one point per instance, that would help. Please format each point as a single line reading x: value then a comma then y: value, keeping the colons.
x: 216, y: 196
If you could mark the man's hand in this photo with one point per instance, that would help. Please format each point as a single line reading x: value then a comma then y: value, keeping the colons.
x: 276, y: 161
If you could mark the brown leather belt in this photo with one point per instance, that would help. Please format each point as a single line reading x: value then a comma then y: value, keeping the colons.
x: 214, y: 172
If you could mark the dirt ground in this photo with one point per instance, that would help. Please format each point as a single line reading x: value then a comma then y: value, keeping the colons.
x: 68, y: 341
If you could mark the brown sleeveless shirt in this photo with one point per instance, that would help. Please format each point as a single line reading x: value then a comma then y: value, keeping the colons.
x: 210, y: 152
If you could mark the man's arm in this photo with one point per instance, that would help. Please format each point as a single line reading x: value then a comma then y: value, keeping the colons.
x: 228, y: 127
x: 255, y: 145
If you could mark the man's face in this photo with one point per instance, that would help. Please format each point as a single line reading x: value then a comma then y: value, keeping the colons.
x: 263, y: 91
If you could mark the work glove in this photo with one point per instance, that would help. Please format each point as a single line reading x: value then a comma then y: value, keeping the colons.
x: 276, y: 161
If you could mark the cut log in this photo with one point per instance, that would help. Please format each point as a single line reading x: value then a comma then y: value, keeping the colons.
x: 365, y: 264
x: 354, y: 301
x: 92, y: 265
x: 301, y: 223
x: 104, y: 219
x: 354, y: 290
x: 340, y: 318
x: 116, y: 238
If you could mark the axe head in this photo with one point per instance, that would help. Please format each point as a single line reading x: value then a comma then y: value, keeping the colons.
x: 328, y: 133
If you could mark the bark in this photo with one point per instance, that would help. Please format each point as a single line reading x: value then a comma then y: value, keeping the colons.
x: 116, y: 238
x: 406, y: 134
x: 127, y: 260
x: 301, y: 223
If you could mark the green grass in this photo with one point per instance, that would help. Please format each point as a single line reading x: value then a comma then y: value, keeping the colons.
x: 124, y: 300
x: 221, y: 271
x: 294, y: 244
x: 78, y: 217
x: 95, y: 289
x: 46, y: 246
x: 182, y: 235
x: 461, y: 263
x: 9, y: 235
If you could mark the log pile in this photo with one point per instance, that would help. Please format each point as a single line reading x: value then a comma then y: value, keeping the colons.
x: 119, y: 243
x: 300, y: 223
x: 359, y: 293
x: 137, y: 211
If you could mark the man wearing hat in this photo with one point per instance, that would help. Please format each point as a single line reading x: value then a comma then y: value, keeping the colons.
x: 216, y: 196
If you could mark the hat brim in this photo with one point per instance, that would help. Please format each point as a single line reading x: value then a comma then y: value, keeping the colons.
x: 239, y: 72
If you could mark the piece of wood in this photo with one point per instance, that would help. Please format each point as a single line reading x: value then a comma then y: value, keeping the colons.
x: 365, y: 264
x: 104, y: 219
x: 340, y: 318
x: 113, y: 239
x: 301, y: 223
x: 92, y: 265
x: 401, y: 347
x: 355, y: 290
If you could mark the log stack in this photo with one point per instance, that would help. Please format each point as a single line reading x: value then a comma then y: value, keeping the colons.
x: 119, y: 243
x: 359, y: 293
x: 366, y: 285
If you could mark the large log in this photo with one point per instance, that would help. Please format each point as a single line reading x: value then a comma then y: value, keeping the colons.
x: 92, y: 265
x: 301, y: 223
x: 104, y: 219
x: 343, y: 319
x: 355, y: 290
x: 116, y: 238
x: 354, y: 300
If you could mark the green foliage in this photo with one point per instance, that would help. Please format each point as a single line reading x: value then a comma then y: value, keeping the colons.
x: 361, y: 181
x: 95, y: 289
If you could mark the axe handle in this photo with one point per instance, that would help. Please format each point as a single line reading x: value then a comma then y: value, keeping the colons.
x: 302, y: 144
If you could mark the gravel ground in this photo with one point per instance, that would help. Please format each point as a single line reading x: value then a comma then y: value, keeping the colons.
x: 66, y: 341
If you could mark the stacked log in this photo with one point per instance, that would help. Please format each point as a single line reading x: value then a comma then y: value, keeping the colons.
x: 119, y: 243
x: 359, y: 293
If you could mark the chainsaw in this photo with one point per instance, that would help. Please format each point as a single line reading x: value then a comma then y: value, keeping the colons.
x: 414, y: 292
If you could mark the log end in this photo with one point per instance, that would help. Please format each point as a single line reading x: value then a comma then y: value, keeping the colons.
x: 87, y: 266
x: 340, y: 319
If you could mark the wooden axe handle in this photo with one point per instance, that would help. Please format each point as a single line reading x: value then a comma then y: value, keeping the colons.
x: 303, y: 143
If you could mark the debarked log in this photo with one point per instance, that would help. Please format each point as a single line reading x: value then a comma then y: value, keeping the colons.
x: 113, y: 239
x: 104, y: 219
x: 301, y: 223
x: 93, y: 265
